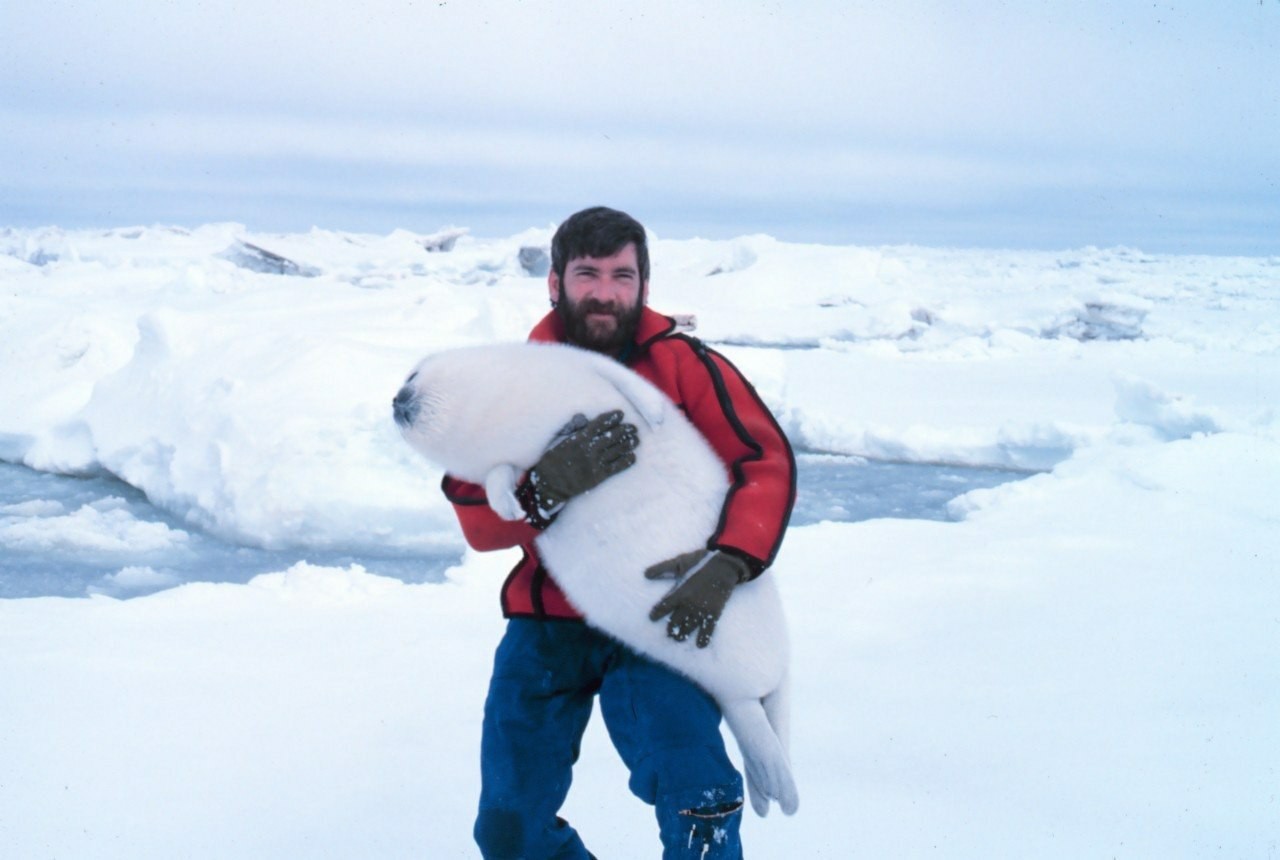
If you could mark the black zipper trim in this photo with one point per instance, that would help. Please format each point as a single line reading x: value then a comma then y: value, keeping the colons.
x: 537, y: 583
x: 705, y: 354
x: 506, y: 584
x: 456, y: 499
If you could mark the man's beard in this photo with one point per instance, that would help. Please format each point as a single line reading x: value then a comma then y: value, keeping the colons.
x: 580, y: 332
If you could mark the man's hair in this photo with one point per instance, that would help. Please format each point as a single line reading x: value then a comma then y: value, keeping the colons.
x: 598, y: 232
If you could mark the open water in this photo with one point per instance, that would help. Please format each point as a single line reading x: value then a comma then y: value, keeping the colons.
x: 77, y: 536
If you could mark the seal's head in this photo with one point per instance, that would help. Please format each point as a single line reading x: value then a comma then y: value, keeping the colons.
x: 472, y: 408
x: 421, y: 410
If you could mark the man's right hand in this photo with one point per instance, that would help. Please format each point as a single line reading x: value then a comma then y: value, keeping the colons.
x: 582, y: 455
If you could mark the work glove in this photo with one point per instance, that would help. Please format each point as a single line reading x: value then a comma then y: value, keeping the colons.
x: 695, y: 604
x: 581, y: 455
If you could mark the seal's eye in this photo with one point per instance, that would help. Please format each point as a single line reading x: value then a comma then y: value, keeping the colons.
x: 411, y: 378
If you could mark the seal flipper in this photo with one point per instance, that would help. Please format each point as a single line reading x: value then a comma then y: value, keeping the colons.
x: 500, y: 489
x: 764, y: 757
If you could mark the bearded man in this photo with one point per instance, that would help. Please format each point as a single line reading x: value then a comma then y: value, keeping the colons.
x: 550, y: 666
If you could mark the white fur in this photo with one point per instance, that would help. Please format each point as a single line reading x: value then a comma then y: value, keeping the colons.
x: 486, y: 414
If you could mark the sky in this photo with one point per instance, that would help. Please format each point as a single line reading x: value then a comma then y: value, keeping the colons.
x: 1153, y: 125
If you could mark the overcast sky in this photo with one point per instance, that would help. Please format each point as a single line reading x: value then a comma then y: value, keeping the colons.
x: 1001, y: 124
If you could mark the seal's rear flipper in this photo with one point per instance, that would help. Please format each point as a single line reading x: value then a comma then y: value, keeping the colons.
x: 764, y: 757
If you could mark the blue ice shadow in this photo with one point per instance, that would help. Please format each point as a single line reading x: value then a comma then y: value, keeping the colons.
x: 848, y: 489
x: 73, y: 536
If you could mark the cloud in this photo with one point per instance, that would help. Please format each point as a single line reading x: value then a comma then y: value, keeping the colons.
x: 924, y: 67
x: 152, y: 150
x: 854, y: 107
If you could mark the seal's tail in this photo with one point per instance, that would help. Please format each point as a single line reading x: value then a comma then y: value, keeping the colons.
x: 764, y: 752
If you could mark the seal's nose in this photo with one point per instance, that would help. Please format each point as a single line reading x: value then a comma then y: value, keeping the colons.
x: 405, y: 406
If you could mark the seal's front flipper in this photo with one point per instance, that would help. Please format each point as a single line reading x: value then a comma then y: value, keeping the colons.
x: 500, y: 488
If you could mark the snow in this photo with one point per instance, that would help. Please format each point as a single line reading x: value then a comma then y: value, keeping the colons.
x: 104, y: 526
x: 1083, y: 662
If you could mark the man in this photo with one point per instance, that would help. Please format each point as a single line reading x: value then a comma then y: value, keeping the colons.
x: 550, y: 666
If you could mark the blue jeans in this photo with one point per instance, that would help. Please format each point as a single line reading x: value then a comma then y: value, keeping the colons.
x: 545, y: 678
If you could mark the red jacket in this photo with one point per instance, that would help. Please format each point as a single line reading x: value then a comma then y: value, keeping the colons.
x: 727, y: 411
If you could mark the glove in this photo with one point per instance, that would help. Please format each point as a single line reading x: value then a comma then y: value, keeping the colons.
x: 581, y: 455
x: 696, y: 603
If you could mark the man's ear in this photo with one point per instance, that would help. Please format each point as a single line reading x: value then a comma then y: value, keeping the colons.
x: 553, y: 286
x: 644, y: 293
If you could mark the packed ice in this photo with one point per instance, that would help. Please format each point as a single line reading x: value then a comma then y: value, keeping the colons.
x: 1076, y: 657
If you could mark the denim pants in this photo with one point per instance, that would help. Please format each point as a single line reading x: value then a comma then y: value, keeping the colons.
x: 545, y: 678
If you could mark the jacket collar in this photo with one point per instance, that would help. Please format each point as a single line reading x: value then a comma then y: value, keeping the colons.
x: 653, y: 326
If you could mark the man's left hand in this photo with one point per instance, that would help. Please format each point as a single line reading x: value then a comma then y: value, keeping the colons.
x: 696, y: 603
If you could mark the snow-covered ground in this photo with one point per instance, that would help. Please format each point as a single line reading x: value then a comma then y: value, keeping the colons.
x: 1086, y: 662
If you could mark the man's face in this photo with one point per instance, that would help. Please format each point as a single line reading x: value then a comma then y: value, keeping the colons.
x: 600, y: 299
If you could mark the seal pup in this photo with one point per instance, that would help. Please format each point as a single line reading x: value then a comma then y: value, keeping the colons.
x: 487, y: 413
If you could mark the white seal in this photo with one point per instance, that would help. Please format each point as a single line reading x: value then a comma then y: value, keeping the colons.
x: 486, y: 414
